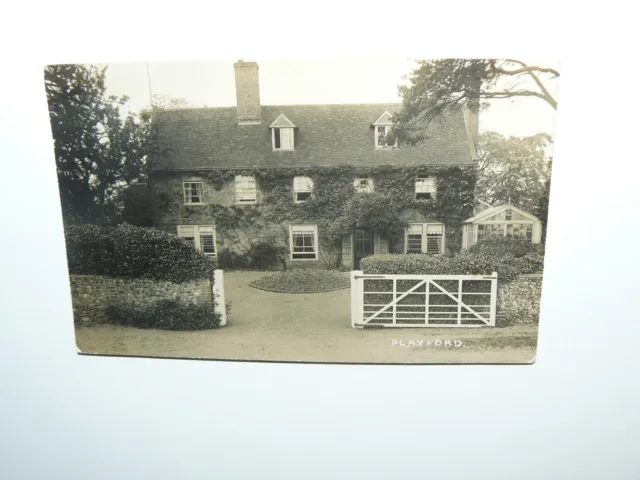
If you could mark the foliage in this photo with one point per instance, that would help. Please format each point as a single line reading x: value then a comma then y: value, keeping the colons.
x: 303, y: 280
x: 513, y: 170
x: 484, y: 261
x: 98, y: 149
x: 335, y: 206
x: 502, y: 246
x: 166, y: 314
x: 437, y: 87
x: 519, y: 302
x: 264, y: 254
x: 134, y: 252
x: 136, y: 206
x: 542, y: 208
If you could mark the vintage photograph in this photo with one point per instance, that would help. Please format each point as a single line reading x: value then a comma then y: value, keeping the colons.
x: 366, y: 210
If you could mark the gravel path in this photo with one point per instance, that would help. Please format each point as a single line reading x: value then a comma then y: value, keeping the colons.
x: 305, y: 327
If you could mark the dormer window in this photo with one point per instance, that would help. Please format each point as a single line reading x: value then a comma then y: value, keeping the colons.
x: 382, y: 128
x: 363, y: 185
x: 302, y: 189
x: 282, y: 133
x: 425, y: 187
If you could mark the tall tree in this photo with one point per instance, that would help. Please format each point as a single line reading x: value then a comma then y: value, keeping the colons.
x: 513, y: 169
x: 98, y: 148
x: 438, y: 86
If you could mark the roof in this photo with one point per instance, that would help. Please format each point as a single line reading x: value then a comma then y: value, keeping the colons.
x: 490, y: 212
x: 325, y: 135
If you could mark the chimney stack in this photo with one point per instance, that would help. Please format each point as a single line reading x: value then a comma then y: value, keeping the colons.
x: 247, y: 92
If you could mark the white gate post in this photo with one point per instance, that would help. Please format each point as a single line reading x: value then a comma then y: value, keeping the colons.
x: 356, y: 298
x: 220, y: 305
x: 493, y: 301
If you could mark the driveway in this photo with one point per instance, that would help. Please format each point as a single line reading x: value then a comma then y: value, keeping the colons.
x: 310, y: 328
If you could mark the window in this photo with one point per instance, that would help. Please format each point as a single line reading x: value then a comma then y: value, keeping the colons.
x: 193, y: 192
x: 509, y: 230
x: 245, y: 189
x: 363, y: 185
x: 425, y: 187
x: 425, y: 238
x: 303, y: 242
x: 282, y: 138
x: 202, y: 237
x: 381, y: 132
x: 302, y: 188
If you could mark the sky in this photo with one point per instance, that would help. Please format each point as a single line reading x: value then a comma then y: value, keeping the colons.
x: 291, y: 82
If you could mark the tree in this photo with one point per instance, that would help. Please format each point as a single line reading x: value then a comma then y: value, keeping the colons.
x: 513, y: 170
x: 439, y: 86
x: 98, y: 149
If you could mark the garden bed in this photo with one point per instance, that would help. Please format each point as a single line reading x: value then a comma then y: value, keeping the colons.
x: 303, y: 281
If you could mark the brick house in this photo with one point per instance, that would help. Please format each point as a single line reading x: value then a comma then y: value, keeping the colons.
x: 207, y: 161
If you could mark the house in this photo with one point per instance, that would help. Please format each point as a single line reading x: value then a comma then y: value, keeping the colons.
x: 226, y: 178
x: 502, y: 221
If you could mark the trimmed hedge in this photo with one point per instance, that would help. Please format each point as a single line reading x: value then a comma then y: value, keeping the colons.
x: 134, y: 252
x: 165, y: 315
x: 508, y: 259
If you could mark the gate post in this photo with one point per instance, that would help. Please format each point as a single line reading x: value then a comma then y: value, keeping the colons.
x: 356, y: 298
x: 493, y: 301
x: 220, y: 304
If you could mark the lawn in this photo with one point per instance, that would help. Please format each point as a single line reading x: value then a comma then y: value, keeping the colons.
x: 311, y: 327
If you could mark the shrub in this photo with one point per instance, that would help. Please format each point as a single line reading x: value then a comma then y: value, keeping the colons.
x: 134, y: 252
x: 166, y: 314
x: 230, y: 260
x: 303, y: 280
x: 264, y: 255
x: 506, y: 265
x: 502, y: 246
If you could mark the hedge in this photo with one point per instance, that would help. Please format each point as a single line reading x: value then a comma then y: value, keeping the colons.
x: 165, y: 315
x: 134, y: 252
x: 508, y: 259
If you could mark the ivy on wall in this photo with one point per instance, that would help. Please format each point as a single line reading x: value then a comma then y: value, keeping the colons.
x: 335, y: 206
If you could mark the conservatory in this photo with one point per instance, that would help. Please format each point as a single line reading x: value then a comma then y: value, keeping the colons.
x: 502, y: 221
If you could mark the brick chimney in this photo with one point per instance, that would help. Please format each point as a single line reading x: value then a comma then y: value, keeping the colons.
x: 247, y: 92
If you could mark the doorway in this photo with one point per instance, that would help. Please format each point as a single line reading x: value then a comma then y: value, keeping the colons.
x: 363, y: 246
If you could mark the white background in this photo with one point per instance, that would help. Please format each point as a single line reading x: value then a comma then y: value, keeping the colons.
x: 574, y: 414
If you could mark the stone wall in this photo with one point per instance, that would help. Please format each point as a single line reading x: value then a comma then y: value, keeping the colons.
x: 519, y: 301
x: 92, y: 294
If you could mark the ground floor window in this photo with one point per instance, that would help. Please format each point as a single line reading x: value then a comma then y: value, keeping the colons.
x: 508, y: 230
x: 424, y: 238
x: 202, y: 237
x: 303, y: 241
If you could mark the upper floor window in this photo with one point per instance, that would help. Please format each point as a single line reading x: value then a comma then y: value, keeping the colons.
x: 382, y: 127
x: 363, y: 185
x: 302, y: 188
x: 425, y: 187
x: 245, y: 189
x: 202, y: 237
x: 193, y: 192
x: 282, y: 133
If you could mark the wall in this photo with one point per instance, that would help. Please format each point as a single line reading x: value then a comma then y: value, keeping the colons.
x: 519, y: 301
x: 92, y: 294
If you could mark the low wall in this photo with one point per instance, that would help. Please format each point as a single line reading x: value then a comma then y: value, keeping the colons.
x: 519, y: 301
x: 92, y: 294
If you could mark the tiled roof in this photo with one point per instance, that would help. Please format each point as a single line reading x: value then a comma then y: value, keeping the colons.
x: 331, y: 135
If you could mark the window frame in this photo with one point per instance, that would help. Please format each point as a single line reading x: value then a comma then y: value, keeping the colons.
x: 386, y: 132
x: 197, y: 232
x: 424, y: 238
x: 249, y: 201
x: 304, y: 228
x: 420, y: 181
x: 273, y: 139
x: 184, y: 192
x: 370, y: 188
x: 296, y: 191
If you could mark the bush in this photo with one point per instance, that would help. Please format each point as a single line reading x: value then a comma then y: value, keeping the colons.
x: 503, y: 246
x: 230, y: 260
x: 506, y: 265
x: 134, y: 252
x: 164, y: 314
x: 261, y: 255
x: 303, y: 280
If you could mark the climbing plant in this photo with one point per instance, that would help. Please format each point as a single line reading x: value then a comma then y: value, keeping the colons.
x: 334, y: 205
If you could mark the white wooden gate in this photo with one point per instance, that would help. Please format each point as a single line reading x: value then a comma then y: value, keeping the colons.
x: 423, y: 300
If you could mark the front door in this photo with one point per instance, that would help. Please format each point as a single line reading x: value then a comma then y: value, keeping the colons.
x: 363, y: 246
